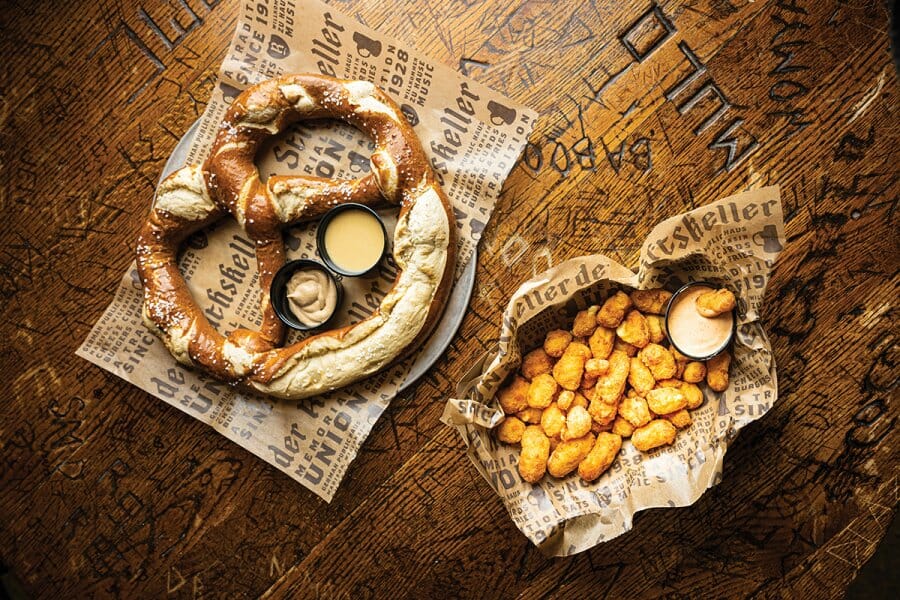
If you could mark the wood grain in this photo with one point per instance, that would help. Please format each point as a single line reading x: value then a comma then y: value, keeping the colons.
x: 107, y: 492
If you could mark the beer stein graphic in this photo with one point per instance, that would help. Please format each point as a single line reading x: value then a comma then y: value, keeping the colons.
x: 366, y: 46
x: 768, y: 239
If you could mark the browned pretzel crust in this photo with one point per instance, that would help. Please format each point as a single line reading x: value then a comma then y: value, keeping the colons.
x: 228, y: 183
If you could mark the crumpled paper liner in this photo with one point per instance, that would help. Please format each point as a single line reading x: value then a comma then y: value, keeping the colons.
x: 733, y: 242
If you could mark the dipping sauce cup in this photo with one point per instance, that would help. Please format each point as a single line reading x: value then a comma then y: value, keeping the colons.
x: 692, y: 334
x: 352, y: 239
x: 305, y: 294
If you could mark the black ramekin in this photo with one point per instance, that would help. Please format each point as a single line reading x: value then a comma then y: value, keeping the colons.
x: 713, y: 286
x: 278, y: 293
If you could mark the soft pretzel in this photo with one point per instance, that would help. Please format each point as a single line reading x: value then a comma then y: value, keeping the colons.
x: 228, y: 182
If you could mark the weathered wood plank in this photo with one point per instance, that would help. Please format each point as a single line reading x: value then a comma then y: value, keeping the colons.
x: 106, y: 492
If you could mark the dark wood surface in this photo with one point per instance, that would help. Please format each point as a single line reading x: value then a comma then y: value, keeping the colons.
x: 109, y: 492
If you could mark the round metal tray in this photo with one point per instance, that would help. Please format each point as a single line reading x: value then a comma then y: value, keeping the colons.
x: 453, y: 313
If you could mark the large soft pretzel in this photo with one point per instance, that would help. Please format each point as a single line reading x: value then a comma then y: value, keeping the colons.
x: 195, y: 196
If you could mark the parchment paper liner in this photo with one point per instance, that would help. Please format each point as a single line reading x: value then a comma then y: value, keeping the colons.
x: 473, y: 136
x: 735, y: 242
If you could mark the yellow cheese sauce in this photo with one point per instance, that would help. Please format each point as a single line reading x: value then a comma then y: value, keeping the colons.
x: 354, y: 240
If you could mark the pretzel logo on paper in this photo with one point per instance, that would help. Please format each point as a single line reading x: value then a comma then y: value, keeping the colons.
x: 410, y: 113
x: 278, y: 48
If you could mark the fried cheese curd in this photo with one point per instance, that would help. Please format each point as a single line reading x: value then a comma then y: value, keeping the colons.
x: 611, y: 377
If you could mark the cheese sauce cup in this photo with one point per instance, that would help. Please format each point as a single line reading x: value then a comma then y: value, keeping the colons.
x: 352, y: 239
x: 692, y: 334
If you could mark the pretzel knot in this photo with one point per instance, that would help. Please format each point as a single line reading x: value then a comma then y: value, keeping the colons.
x: 195, y: 196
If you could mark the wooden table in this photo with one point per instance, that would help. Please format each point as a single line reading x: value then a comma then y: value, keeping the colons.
x: 109, y: 492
